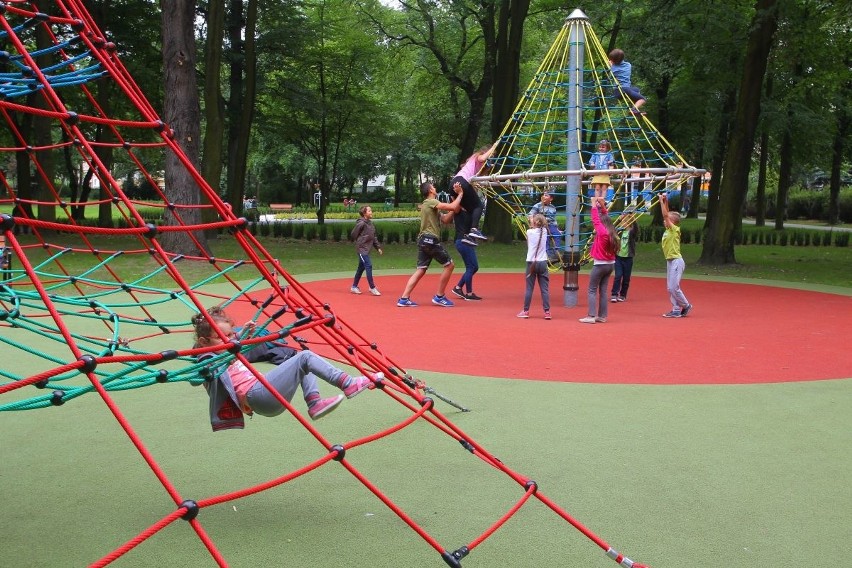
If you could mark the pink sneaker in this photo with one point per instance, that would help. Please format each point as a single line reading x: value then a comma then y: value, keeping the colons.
x: 356, y: 385
x: 324, y: 406
x: 524, y: 314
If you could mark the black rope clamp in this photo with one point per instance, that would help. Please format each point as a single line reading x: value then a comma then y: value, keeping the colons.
x: 191, y: 510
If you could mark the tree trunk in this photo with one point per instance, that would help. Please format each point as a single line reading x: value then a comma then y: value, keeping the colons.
x: 244, y: 113
x: 182, y: 114
x: 510, y: 34
x: 785, y: 168
x: 760, y: 195
x: 233, y: 194
x: 844, y: 126
x: 214, y: 106
x: 723, y: 230
x: 760, y: 198
x: 43, y: 139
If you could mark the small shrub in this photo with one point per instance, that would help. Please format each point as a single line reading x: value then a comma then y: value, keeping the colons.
x: 311, y: 232
x: 298, y: 230
x: 841, y: 239
x: 322, y: 231
x: 783, y: 240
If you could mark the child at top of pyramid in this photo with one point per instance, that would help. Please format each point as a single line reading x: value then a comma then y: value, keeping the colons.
x: 236, y: 391
x: 622, y: 71
x: 471, y: 203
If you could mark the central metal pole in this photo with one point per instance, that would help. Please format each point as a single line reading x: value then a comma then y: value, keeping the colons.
x: 573, y: 183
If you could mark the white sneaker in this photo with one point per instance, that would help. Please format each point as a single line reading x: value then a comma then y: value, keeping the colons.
x: 375, y: 292
x: 587, y: 319
x: 355, y: 290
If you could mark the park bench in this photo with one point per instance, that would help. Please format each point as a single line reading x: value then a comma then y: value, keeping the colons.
x: 281, y: 206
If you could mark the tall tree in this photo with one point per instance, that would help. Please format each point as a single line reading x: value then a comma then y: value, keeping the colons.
x: 182, y: 113
x: 242, y: 31
x: 214, y: 106
x: 724, y: 228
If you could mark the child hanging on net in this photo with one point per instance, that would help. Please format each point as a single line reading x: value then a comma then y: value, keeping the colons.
x: 471, y: 203
x: 236, y: 391
x: 622, y: 71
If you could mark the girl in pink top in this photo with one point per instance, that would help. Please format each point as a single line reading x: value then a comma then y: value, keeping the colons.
x: 604, y: 247
x: 471, y: 203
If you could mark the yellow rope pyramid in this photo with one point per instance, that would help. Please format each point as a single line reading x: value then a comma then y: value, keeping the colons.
x: 572, y: 103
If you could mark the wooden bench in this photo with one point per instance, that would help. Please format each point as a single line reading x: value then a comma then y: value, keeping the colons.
x: 281, y: 206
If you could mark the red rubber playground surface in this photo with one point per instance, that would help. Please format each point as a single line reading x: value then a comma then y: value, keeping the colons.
x: 736, y: 333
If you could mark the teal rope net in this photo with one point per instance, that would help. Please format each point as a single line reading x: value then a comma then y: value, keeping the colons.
x: 75, y: 326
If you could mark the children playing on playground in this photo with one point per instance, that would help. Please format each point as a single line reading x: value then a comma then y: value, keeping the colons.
x: 545, y: 207
x: 537, y: 266
x: 629, y: 233
x: 674, y: 261
x: 471, y: 203
x: 603, y: 251
x: 601, y: 160
x: 364, y: 235
x: 236, y: 390
x: 429, y: 245
x: 622, y: 71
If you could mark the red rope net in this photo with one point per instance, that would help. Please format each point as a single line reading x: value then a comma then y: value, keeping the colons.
x: 75, y: 325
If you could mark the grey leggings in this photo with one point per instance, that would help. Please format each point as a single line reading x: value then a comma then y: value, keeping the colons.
x: 302, y: 369
x: 537, y: 272
x: 674, y: 272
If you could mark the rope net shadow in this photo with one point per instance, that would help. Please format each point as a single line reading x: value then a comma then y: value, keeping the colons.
x: 571, y: 105
x: 76, y: 326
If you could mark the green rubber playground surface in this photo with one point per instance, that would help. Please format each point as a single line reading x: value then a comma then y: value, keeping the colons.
x: 669, y: 475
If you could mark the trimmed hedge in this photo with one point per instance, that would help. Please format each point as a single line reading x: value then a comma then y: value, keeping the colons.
x: 405, y: 232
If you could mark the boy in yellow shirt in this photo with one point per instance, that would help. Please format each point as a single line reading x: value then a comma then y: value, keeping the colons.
x: 674, y: 261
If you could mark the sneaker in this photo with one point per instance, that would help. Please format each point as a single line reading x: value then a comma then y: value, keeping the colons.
x: 685, y: 310
x: 375, y: 292
x: 356, y: 385
x: 672, y: 314
x: 477, y: 234
x: 324, y: 406
x: 458, y: 291
x: 587, y: 319
x: 470, y: 241
x: 471, y: 297
x: 614, y: 299
x: 547, y: 315
x: 355, y: 290
x: 622, y: 298
x: 442, y: 301
x: 524, y: 314
x: 405, y: 303
x: 600, y: 320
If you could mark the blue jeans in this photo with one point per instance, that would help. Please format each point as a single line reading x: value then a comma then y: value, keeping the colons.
x: 364, y: 265
x: 623, y: 270
x: 471, y: 264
